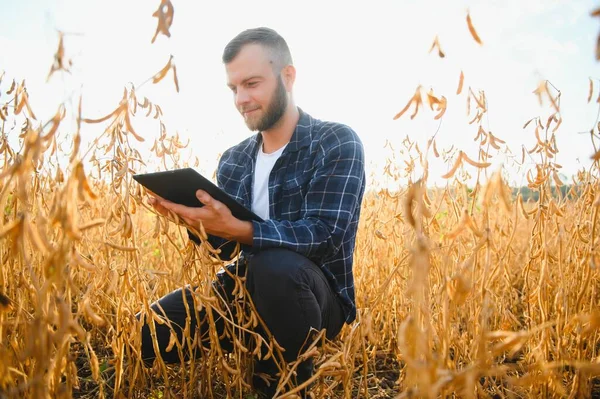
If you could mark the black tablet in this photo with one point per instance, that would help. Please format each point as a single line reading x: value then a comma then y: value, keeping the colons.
x: 180, y: 186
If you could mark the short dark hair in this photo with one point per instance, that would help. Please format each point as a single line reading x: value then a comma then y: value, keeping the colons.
x: 266, y: 37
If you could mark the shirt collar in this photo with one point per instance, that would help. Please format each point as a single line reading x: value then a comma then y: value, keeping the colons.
x: 301, y: 137
x: 302, y: 134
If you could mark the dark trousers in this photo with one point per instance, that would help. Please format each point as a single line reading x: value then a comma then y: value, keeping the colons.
x: 290, y: 293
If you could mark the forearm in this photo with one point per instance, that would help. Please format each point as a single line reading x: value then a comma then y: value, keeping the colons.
x: 309, y: 237
x: 241, y: 231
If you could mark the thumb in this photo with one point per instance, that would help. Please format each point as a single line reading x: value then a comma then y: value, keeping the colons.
x: 203, y: 197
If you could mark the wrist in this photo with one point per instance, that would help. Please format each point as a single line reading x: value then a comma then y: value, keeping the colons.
x: 242, y: 232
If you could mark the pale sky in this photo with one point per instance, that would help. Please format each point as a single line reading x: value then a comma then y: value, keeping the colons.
x: 357, y: 62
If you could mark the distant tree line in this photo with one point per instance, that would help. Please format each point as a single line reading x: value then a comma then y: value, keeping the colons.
x: 534, y: 195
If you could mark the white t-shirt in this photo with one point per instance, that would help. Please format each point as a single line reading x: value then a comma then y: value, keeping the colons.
x: 260, y: 187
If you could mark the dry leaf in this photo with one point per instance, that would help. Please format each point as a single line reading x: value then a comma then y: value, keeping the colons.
x: 88, y: 120
x: 479, y: 100
x: 164, y: 13
x: 59, y: 58
x: 431, y: 99
x: 415, y: 98
x: 399, y: 114
x: 474, y: 163
x: 481, y: 134
x: 130, y: 128
x: 441, y: 107
x: 591, y: 90
x: 539, y: 90
x: 472, y: 30
x: 418, y: 101
x: 557, y: 125
x: 436, y: 43
x: 163, y: 72
x: 554, y: 101
x: 496, y: 139
x: 527, y: 123
x: 12, y: 88
x: 175, y: 78
x: 468, y: 105
x: 556, y: 179
x: 455, y: 167
x: 460, y: 82
x: 149, y: 110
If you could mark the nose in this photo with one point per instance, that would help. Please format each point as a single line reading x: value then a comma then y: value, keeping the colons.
x: 241, y: 97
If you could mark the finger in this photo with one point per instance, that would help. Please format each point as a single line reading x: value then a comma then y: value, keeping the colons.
x: 204, y: 197
x: 160, y: 209
x: 156, y: 201
x: 182, y: 210
x: 207, y: 200
x: 153, y: 194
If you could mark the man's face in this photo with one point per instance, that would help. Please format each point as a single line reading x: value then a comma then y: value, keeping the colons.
x: 260, y: 95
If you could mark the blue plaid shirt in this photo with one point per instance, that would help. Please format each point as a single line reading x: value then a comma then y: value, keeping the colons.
x: 315, y: 194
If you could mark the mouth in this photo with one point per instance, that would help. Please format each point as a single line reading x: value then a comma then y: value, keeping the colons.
x: 248, y: 112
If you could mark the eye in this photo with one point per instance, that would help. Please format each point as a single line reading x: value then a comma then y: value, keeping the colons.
x: 252, y: 84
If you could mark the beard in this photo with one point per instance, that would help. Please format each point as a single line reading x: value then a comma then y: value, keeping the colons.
x: 274, y: 111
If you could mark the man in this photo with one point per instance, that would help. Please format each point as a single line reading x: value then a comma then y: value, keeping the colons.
x: 306, y: 179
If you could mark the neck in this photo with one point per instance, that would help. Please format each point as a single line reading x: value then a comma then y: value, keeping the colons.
x: 281, y: 133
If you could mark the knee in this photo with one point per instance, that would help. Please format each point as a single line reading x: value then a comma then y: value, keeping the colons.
x: 277, y: 276
x: 275, y: 266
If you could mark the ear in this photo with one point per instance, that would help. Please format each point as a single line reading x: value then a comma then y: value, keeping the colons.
x: 288, y: 74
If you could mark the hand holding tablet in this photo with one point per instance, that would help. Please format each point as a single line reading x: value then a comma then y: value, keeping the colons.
x: 180, y: 185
